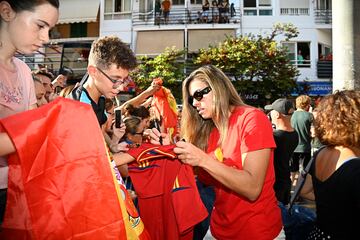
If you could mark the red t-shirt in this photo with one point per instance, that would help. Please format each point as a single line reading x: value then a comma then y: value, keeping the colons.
x: 233, y: 216
x: 169, y: 202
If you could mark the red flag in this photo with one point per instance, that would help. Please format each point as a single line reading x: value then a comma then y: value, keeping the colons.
x: 165, y: 105
x: 61, y: 185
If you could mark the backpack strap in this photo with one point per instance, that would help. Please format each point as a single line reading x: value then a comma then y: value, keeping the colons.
x: 76, y: 92
x: 301, y: 180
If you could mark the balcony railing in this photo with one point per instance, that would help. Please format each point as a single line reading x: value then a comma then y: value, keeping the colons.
x: 301, y: 63
x: 117, y: 15
x: 294, y: 11
x: 181, y: 16
x: 50, y: 60
x: 324, y: 69
x: 323, y: 16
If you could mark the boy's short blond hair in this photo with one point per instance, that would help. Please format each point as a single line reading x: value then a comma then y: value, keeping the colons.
x: 303, y: 101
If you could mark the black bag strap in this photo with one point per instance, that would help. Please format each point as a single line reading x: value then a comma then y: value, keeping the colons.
x: 76, y: 92
x: 301, y: 180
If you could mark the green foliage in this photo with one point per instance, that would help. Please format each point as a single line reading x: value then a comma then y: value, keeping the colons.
x: 168, y: 66
x: 256, y: 63
x: 287, y: 29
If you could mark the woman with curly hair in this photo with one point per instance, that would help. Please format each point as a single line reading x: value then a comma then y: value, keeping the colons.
x: 335, y: 172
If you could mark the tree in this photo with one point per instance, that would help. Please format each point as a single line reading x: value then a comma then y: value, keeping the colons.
x: 169, y: 66
x: 256, y: 64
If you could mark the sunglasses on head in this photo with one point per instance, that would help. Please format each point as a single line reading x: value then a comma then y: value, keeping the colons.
x: 198, y: 95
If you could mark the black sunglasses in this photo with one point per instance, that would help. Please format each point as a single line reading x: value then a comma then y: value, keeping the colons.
x: 199, y: 94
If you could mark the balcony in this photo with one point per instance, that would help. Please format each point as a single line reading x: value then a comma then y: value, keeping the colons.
x: 306, y: 63
x: 294, y: 11
x: 185, y: 16
x: 323, y: 16
x: 324, y: 69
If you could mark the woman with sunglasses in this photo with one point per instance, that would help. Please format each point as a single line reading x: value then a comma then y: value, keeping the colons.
x: 232, y: 144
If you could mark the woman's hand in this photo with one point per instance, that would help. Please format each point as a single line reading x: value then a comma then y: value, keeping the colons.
x: 190, y: 154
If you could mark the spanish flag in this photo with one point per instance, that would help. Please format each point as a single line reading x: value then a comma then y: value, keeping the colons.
x: 61, y: 184
x: 165, y: 105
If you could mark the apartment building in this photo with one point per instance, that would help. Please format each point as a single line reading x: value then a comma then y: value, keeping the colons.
x: 139, y: 23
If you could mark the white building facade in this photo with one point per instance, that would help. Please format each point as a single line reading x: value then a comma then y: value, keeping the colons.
x: 139, y: 23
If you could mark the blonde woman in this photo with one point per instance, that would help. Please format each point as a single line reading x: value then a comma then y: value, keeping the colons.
x: 232, y: 144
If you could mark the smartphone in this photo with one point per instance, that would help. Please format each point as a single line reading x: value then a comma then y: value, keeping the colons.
x: 157, y: 124
x: 117, y: 118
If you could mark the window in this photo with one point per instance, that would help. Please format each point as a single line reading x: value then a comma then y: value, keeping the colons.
x: 122, y: 5
x: 327, y: 51
x: 78, y: 30
x: 264, y: 3
x: 324, y: 51
x: 299, y: 53
x: 197, y: 2
x: 108, y: 6
x: 115, y: 9
x: 264, y: 12
x: 249, y: 3
x: 257, y: 7
x: 324, y: 4
x: 178, y: 2
x: 117, y: 6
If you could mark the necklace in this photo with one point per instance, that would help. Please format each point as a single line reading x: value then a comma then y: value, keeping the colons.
x: 12, y: 90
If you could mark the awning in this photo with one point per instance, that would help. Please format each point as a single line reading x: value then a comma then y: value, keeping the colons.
x: 155, y: 42
x: 203, y: 38
x: 74, y: 11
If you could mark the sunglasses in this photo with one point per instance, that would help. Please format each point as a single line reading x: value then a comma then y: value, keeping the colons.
x: 116, y: 83
x: 198, y: 95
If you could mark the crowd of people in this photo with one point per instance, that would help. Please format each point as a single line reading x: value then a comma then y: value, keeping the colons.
x: 218, y: 11
x: 228, y: 166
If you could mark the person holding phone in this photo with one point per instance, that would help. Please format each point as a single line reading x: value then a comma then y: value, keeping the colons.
x: 110, y: 61
x: 113, y: 130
